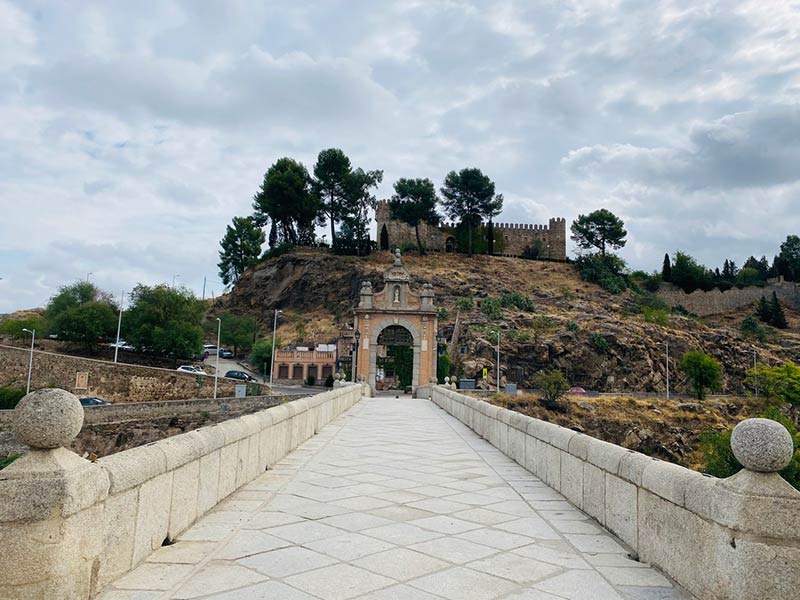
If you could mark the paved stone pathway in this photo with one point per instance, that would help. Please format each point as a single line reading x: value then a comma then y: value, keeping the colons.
x: 395, y: 500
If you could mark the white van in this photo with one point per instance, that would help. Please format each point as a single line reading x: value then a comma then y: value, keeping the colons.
x: 210, y: 348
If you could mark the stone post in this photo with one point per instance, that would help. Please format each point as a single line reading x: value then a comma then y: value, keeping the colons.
x: 759, y: 548
x: 51, y: 505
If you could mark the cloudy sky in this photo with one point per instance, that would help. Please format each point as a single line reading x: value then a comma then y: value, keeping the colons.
x: 132, y: 132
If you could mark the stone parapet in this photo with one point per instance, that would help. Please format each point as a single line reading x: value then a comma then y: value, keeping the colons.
x: 728, y: 539
x: 71, y: 526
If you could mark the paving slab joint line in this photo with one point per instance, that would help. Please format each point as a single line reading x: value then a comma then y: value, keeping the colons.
x: 451, y: 422
x: 169, y: 594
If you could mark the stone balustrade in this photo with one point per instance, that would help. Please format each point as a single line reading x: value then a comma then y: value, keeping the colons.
x: 728, y: 539
x: 68, y: 527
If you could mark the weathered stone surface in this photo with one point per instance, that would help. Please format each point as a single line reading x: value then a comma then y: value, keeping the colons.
x: 622, y: 510
x: 48, y: 418
x: 594, y: 492
x: 152, y: 520
x: 762, y: 445
x: 185, y: 484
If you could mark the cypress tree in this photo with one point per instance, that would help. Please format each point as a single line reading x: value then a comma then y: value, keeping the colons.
x: 778, y: 318
x: 666, y: 270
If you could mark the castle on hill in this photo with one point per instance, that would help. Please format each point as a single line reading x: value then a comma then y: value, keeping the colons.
x: 511, y: 239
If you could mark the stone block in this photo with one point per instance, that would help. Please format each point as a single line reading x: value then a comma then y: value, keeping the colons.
x: 690, y: 549
x: 152, y: 519
x: 228, y: 464
x: 622, y: 509
x: 552, y: 474
x: 504, y: 415
x: 632, y: 465
x: 668, y: 480
x: 181, y: 449
x: 579, y: 446
x: 185, y: 487
x: 279, y: 413
x: 212, y: 438
x: 208, y: 486
x: 242, y: 450
x: 604, y: 455
x: 572, y: 479
x: 520, y: 422
x: 594, y: 492
x: 133, y: 467
x: 532, y: 449
x: 233, y: 430
x: 516, y: 444
x: 119, y: 527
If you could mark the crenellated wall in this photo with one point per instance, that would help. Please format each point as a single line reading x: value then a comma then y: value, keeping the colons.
x: 519, y: 238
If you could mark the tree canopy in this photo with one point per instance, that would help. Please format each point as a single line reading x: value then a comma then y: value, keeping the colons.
x: 237, y: 331
x: 164, y: 320
x: 81, y: 313
x: 599, y: 229
x: 469, y: 196
x: 789, y: 257
x: 285, y: 199
x: 239, y: 249
x: 704, y: 372
x: 414, y: 200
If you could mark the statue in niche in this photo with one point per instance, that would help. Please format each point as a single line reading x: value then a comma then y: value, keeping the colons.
x: 396, y: 299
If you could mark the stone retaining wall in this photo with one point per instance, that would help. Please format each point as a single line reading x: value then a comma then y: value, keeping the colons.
x: 114, y: 382
x: 70, y: 527
x: 716, y: 302
x: 728, y: 539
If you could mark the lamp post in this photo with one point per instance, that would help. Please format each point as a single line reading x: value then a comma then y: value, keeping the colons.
x: 30, y: 360
x: 119, y: 324
x: 272, y: 352
x: 173, y: 280
x: 216, y: 367
x: 498, y: 361
x: 755, y: 367
x: 357, y: 335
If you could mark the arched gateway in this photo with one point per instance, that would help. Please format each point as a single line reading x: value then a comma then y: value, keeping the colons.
x: 390, y: 322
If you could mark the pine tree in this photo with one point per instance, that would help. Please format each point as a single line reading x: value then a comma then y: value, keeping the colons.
x: 778, y: 318
x: 763, y: 310
x: 666, y: 270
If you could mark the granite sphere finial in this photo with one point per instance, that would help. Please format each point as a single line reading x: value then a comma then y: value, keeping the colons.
x: 48, y: 418
x: 762, y: 445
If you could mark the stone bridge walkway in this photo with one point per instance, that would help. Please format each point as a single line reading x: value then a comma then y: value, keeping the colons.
x: 394, y: 500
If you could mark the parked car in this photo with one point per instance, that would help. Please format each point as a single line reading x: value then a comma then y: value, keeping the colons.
x: 210, y: 348
x: 191, y: 369
x: 93, y: 402
x: 239, y: 375
x: 577, y: 391
x: 223, y: 353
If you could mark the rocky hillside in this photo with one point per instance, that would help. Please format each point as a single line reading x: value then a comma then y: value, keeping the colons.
x: 601, y: 341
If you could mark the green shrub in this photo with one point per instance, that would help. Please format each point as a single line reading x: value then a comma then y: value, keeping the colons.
x: 443, y: 314
x: 655, y: 315
x: 277, y: 251
x: 598, y: 343
x: 679, y: 309
x: 465, y: 304
x: 491, y: 308
x: 752, y: 329
x: 408, y: 247
x: 552, y: 385
x: 606, y: 271
x: 573, y: 326
x: 311, y: 380
x: 329, y: 380
x: 543, y: 324
x: 703, y: 371
x: 9, y: 397
x: 4, y: 462
x: 517, y: 301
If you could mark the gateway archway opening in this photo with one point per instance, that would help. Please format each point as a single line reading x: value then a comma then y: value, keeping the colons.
x: 394, y: 359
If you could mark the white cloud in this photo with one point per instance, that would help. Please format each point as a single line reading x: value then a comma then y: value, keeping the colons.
x: 130, y: 135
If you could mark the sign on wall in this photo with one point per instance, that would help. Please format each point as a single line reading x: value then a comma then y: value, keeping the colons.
x: 82, y: 380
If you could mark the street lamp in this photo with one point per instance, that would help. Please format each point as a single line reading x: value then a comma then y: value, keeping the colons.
x: 272, y: 352
x: 30, y: 361
x: 754, y: 352
x: 498, y: 361
x: 216, y: 367
x: 357, y: 335
x: 89, y: 274
x: 173, y: 280
x: 119, y: 324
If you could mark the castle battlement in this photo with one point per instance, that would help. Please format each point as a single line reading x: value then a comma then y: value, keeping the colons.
x: 518, y: 239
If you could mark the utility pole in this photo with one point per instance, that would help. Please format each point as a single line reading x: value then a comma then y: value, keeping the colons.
x: 498, y: 361
x: 204, y: 288
x: 119, y: 324
x: 272, y: 353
